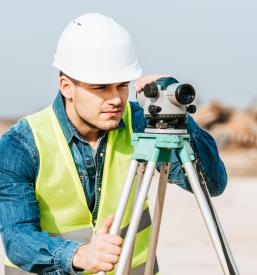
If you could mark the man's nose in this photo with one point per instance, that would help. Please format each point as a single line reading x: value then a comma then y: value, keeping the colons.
x: 114, y: 98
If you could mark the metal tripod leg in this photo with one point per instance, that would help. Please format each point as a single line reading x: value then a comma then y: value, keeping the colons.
x: 217, y: 239
x: 136, y: 216
x: 157, y: 219
x: 123, y: 200
x: 228, y: 254
x: 140, y: 174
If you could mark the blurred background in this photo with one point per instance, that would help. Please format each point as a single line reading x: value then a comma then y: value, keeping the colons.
x: 209, y: 44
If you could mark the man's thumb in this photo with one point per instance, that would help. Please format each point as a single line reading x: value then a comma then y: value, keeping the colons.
x: 106, y: 225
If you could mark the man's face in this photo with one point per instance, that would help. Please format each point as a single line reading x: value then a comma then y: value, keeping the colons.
x: 101, y: 106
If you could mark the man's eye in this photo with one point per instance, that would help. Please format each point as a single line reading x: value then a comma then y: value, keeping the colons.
x: 100, y: 87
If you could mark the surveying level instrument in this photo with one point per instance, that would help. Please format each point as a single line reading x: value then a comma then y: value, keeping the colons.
x: 166, y: 105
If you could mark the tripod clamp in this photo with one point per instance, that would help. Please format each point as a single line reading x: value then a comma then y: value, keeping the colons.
x: 157, y: 147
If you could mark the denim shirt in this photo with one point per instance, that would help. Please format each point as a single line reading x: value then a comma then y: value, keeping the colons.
x: 34, y: 250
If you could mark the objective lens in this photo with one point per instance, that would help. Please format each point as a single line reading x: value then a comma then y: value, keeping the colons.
x: 185, y: 94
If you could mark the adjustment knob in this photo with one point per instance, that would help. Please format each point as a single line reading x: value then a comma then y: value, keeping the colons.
x: 151, y: 90
x: 191, y: 109
x: 153, y: 109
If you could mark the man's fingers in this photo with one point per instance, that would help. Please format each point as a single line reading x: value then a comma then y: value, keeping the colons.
x: 140, y: 83
x: 110, y: 259
x: 106, y: 225
x: 106, y: 267
x: 112, y: 239
x: 107, y: 248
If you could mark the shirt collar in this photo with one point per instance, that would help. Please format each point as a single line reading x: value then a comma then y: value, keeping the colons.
x: 68, y: 128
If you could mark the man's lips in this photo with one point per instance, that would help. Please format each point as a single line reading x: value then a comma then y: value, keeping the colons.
x: 112, y: 112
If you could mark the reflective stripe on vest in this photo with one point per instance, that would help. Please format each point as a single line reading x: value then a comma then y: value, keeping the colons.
x: 144, y: 223
x: 83, y: 235
x: 61, y: 198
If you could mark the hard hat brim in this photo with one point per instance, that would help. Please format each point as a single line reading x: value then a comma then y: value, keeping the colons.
x: 132, y: 73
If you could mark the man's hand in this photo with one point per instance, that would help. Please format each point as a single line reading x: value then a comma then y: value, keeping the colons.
x: 102, y: 253
x: 147, y: 79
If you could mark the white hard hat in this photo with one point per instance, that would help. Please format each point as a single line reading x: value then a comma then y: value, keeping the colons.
x: 96, y: 49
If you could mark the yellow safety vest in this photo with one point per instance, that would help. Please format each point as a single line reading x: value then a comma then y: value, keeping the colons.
x: 63, y: 206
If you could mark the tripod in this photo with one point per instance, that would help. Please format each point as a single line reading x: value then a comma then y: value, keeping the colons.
x: 151, y: 148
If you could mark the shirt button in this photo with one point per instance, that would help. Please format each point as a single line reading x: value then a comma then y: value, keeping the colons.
x: 101, y: 155
x: 99, y: 189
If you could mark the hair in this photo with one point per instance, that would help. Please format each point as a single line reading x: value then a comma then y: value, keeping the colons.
x: 74, y: 81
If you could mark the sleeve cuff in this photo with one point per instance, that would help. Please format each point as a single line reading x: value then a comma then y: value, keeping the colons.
x: 64, y: 256
x: 192, y: 126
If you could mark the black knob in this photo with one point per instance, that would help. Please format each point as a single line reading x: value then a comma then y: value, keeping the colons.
x: 153, y: 110
x: 191, y: 109
x: 151, y: 90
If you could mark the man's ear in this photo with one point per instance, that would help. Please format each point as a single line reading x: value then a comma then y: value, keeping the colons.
x: 66, y: 87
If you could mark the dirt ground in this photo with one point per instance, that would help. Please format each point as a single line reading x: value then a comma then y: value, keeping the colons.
x: 240, y: 162
x: 185, y: 247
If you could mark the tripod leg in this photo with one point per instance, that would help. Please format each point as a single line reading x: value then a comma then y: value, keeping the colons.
x: 157, y: 219
x: 123, y: 200
x: 209, y: 220
x: 136, y: 216
x: 140, y: 174
x: 124, y: 197
x: 229, y: 255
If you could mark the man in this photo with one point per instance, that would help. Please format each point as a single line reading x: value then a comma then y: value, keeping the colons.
x: 62, y: 169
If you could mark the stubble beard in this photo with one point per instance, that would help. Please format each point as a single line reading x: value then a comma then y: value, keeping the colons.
x: 96, y: 127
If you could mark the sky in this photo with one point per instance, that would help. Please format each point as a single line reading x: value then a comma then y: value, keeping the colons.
x: 209, y: 44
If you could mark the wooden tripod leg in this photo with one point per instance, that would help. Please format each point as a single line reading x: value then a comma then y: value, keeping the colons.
x: 157, y: 219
